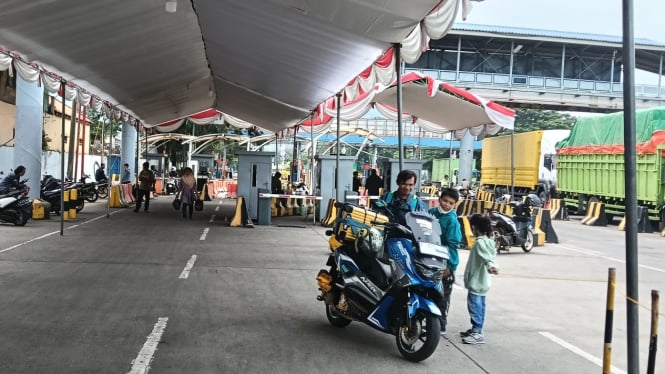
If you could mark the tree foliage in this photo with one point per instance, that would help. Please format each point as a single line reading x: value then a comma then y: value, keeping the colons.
x: 532, y: 120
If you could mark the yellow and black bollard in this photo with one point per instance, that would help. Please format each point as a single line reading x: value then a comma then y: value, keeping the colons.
x: 65, y: 211
x: 609, y: 319
x: 653, y: 340
x: 73, y: 198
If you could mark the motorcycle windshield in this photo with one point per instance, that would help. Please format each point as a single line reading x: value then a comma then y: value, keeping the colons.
x: 427, y: 232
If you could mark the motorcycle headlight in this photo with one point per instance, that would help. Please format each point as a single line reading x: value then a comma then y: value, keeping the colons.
x: 432, y: 272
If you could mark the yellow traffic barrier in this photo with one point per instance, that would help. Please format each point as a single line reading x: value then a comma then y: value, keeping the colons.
x: 65, y: 212
x: 643, y: 224
x: 73, y: 198
x: 41, y: 209
x: 331, y: 214
x: 241, y: 215
x: 595, y: 214
x: 485, y: 195
x: 537, y: 221
x: 467, y: 235
x: 114, y: 197
x: 464, y: 207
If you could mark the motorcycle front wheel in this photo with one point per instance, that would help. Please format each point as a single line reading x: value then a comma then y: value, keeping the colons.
x: 419, y: 341
x: 528, y: 243
x: 91, y: 196
x: 335, y: 318
x: 80, y: 203
x: 21, y: 218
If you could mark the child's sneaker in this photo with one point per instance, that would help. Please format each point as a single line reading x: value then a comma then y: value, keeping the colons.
x: 466, y: 333
x: 474, y: 338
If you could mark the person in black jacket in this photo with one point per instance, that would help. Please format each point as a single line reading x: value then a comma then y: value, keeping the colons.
x: 100, y: 174
x: 13, y: 180
x: 356, y: 182
x: 373, y: 184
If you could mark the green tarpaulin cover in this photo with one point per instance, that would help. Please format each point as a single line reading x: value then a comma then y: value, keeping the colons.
x: 604, y: 134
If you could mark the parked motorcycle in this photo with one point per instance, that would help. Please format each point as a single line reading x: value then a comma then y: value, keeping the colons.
x: 394, y: 290
x: 171, y: 186
x: 516, y: 230
x: 88, y: 189
x: 51, y: 191
x: 16, y: 207
x: 102, y: 188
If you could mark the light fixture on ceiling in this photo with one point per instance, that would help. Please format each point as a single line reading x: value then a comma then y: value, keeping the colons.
x: 518, y: 48
x: 171, y: 6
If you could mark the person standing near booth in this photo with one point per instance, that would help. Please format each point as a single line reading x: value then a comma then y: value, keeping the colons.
x: 146, y: 181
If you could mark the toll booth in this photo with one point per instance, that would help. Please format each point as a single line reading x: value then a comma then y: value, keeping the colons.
x: 254, y: 173
x: 390, y: 169
x: 325, y: 178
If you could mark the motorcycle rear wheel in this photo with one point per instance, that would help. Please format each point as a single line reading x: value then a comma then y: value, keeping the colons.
x: 528, y: 244
x: 335, y: 318
x: 102, y: 191
x: 420, y: 343
x: 497, y: 234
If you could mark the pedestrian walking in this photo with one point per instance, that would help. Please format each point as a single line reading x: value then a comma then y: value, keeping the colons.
x: 145, y: 185
x: 187, y: 192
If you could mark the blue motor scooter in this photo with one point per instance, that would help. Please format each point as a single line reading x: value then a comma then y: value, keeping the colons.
x: 407, y: 264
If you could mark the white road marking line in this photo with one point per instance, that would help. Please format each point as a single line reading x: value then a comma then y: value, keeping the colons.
x: 29, y: 241
x: 50, y: 233
x: 592, y: 253
x: 212, y: 218
x: 205, y: 232
x: 141, y: 363
x: 216, y: 209
x: 220, y: 202
x: 188, y: 268
x: 578, y: 351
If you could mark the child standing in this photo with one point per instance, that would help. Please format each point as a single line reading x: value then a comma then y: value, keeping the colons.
x: 451, y: 236
x: 477, y: 279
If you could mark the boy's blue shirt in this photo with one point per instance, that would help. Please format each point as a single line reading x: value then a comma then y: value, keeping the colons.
x: 451, y: 235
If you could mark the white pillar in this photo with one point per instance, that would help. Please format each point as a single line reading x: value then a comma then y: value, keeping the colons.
x: 29, y: 125
x: 128, y: 151
x: 465, y: 157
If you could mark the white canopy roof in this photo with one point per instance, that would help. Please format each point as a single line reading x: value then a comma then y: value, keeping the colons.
x: 267, y: 62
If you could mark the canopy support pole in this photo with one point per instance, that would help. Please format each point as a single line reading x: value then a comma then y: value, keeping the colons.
x: 614, y: 57
x: 563, y: 64
x: 398, y: 69
x: 660, y: 72
x: 62, y: 162
x: 312, y: 182
x: 338, y: 193
x: 632, y: 295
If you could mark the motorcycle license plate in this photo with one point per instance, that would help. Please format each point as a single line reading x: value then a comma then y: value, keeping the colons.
x: 430, y: 249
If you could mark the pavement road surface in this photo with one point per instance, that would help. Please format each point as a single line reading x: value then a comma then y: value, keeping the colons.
x: 153, y: 292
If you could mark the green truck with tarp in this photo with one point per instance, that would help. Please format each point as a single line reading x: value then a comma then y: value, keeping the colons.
x: 591, y: 165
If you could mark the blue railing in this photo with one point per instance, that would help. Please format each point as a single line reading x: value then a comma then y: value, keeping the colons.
x: 534, y: 82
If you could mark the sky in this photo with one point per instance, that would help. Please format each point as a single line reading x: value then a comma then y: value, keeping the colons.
x: 587, y: 16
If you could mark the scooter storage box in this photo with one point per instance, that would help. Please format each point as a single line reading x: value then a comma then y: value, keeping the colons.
x: 350, y: 218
